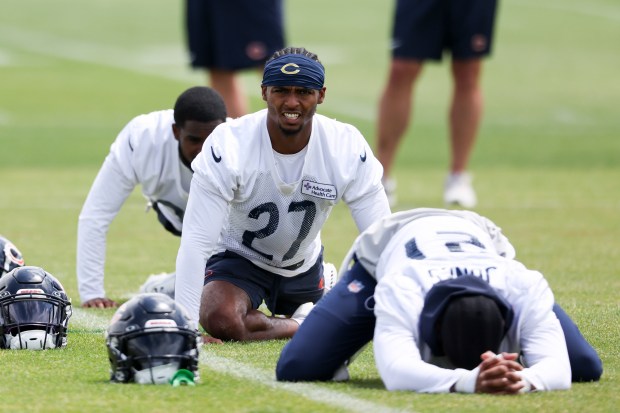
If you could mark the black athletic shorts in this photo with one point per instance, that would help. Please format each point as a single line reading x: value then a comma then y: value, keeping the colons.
x: 233, y: 34
x: 423, y: 29
x: 282, y: 295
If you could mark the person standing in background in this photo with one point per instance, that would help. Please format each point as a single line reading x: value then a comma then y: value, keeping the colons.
x: 226, y: 37
x: 422, y: 30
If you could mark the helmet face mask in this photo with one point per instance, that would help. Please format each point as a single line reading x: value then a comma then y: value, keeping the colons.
x: 149, y: 339
x: 34, y: 310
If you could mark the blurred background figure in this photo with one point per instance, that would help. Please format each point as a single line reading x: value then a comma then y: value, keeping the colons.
x: 422, y: 30
x: 226, y: 37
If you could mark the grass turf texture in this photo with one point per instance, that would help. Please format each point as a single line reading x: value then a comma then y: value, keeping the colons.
x: 547, y: 167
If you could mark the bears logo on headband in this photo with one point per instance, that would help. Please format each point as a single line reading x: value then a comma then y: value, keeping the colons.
x: 294, y: 70
x: 286, y: 71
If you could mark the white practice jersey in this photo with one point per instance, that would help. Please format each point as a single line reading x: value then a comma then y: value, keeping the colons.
x: 144, y: 153
x: 239, y: 201
x: 422, y: 247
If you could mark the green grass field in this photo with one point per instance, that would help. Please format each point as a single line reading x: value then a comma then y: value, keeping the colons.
x: 546, y: 166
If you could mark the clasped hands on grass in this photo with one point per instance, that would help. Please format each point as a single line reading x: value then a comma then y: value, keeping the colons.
x: 498, y: 374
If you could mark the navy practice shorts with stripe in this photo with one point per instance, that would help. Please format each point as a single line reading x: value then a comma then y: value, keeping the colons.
x: 233, y: 34
x: 424, y: 29
x: 282, y: 295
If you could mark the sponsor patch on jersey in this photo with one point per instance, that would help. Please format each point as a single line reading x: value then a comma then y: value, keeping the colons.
x: 324, y: 191
x: 355, y: 286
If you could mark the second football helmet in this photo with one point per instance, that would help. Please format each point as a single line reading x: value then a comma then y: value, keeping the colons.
x: 149, y: 339
x: 34, y: 310
x: 10, y: 256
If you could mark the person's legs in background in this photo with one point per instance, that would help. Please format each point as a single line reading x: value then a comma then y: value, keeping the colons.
x: 230, y: 86
x: 394, y: 114
x: 464, y: 120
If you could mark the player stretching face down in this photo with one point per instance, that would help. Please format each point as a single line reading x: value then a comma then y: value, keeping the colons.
x: 442, y: 294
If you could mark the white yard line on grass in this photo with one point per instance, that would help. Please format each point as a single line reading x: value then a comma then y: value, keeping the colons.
x: 91, y: 320
x: 315, y: 392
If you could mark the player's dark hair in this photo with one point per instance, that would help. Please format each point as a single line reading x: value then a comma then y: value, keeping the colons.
x: 471, y: 325
x: 295, y: 50
x: 201, y: 104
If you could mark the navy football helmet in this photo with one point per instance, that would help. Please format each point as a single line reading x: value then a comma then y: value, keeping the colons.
x: 149, y: 339
x: 34, y: 310
x: 10, y: 256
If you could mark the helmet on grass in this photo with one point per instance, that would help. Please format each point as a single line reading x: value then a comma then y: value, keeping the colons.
x: 149, y: 339
x: 10, y: 256
x: 34, y: 310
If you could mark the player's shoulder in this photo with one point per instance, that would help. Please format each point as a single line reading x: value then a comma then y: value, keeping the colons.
x: 145, y: 134
x: 154, y: 127
x: 233, y: 144
x: 240, y: 133
x: 151, y: 120
x: 340, y: 139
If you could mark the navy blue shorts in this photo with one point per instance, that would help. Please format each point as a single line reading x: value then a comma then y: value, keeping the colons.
x: 233, y: 34
x: 423, y: 29
x: 282, y: 295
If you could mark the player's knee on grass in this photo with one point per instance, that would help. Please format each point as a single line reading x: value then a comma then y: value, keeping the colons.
x: 221, y: 324
x: 295, y: 366
x: 585, y: 363
x: 586, y: 366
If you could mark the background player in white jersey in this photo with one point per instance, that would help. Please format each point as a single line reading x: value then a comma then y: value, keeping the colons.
x: 153, y: 150
x: 412, y: 264
x: 263, y: 187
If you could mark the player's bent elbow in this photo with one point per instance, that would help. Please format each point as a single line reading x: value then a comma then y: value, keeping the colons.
x: 589, y: 367
x: 392, y: 382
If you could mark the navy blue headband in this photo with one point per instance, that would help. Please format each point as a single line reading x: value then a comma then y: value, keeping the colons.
x: 294, y: 70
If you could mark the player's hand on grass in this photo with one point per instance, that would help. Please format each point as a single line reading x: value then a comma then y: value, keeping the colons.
x: 99, y: 302
x: 207, y: 339
x: 497, y: 374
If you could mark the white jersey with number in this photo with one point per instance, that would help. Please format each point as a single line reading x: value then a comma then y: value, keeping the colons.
x: 425, y: 246
x: 144, y: 153
x: 240, y: 202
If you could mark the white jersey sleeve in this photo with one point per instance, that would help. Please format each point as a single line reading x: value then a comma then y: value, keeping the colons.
x: 537, y: 332
x: 107, y: 194
x: 144, y: 153
x: 365, y: 195
x: 398, y: 304
x: 205, y: 216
